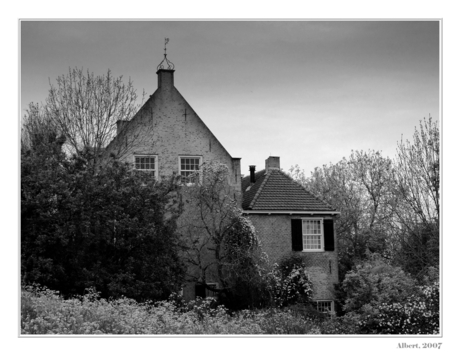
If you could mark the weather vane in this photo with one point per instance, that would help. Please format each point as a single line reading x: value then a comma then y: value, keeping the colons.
x: 166, y: 42
x: 165, y: 60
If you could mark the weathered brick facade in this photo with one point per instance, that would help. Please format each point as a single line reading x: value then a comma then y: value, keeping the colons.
x: 274, y: 232
x: 168, y: 128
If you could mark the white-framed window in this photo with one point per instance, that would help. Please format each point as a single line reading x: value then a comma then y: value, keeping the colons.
x: 312, y: 234
x: 188, y: 167
x: 324, y: 306
x: 146, y: 163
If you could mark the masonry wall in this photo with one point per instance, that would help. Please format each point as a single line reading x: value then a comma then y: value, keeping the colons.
x: 274, y: 232
x: 167, y: 126
x: 190, y: 227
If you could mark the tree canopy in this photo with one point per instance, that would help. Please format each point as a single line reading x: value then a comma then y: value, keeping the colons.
x: 220, y: 244
x: 389, y: 207
x: 109, y: 227
x: 83, y: 108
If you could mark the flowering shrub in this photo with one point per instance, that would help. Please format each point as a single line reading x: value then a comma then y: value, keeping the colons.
x: 45, y: 312
x: 375, y: 282
x: 382, y: 299
x: 277, y: 321
x: 290, y: 282
x: 340, y: 325
x: 419, y: 314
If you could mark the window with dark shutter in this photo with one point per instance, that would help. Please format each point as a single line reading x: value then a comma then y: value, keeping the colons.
x: 328, y: 225
x: 296, y: 230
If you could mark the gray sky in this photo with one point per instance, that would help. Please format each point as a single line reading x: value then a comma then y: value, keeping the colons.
x: 306, y: 91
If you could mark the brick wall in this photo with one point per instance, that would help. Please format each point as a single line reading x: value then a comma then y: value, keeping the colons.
x: 167, y: 126
x: 274, y: 232
x: 190, y: 226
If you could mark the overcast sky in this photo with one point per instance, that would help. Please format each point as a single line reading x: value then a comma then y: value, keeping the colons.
x: 307, y: 91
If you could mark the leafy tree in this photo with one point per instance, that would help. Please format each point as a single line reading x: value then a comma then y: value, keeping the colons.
x: 360, y: 187
x: 387, y: 207
x: 108, y: 228
x: 418, y: 253
x: 417, y: 201
x: 220, y: 244
x: 374, y: 282
x: 384, y: 299
x: 38, y: 132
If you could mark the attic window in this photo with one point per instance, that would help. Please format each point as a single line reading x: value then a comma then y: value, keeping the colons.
x: 188, y: 167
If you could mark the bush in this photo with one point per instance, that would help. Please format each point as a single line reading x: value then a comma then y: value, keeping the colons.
x: 244, y: 266
x: 45, y: 312
x: 382, y: 299
x: 289, y: 282
x: 375, y: 282
x: 107, y: 227
x: 340, y: 325
x: 419, y: 314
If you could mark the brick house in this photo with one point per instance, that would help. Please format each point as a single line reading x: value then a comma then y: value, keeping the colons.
x: 166, y: 136
x: 289, y: 219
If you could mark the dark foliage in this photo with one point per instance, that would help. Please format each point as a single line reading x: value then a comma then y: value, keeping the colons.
x: 108, y: 228
x: 289, y: 262
x: 244, y: 262
x: 419, y: 251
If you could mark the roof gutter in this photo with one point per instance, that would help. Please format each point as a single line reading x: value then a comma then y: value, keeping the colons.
x: 289, y: 212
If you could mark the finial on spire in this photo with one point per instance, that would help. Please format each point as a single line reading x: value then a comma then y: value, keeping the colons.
x: 165, y: 60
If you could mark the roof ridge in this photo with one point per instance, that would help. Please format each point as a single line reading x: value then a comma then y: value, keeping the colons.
x: 303, y: 187
x: 254, y: 199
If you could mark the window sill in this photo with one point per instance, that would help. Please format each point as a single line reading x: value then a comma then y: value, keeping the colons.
x: 188, y: 184
x: 313, y: 251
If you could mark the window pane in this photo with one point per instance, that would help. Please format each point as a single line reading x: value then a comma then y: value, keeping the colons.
x: 312, y: 236
x: 324, y: 306
x: 144, y: 162
x: 189, y: 166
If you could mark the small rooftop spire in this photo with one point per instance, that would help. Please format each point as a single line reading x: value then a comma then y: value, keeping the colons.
x: 165, y: 62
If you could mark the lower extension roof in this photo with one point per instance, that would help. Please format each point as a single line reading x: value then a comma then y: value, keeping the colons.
x: 275, y: 191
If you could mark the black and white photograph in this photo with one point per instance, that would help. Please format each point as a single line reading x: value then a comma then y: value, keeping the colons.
x: 231, y: 178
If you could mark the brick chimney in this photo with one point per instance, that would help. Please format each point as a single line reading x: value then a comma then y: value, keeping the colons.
x: 272, y: 163
x: 252, y: 172
x: 165, y: 78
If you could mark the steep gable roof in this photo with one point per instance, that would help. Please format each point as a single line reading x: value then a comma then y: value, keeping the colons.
x: 165, y: 115
x: 276, y: 191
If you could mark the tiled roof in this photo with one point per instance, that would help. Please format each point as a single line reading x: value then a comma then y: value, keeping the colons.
x: 277, y: 191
